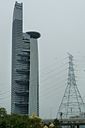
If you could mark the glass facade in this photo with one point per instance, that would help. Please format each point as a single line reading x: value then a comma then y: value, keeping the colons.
x: 25, y: 85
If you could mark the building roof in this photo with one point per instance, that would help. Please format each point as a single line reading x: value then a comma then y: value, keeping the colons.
x: 34, y: 34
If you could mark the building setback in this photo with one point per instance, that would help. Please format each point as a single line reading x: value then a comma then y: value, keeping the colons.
x: 25, y: 83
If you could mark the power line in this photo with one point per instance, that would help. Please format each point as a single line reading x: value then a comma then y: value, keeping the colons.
x: 50, y: 75
x: 52, y: 94
x: 52, y: 71
x: 49, y: 91
x: 53, y: 68
x: 54, y: 83
x: 51, y: 64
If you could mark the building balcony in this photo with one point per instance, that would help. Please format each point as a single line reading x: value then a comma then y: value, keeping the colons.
x: 24, y: 55
x: 22, y: 92
x: 22, y: 82
x: 23, y: 71
x: 24, y: 61
x: 27, y: 51
x: 21, y: 103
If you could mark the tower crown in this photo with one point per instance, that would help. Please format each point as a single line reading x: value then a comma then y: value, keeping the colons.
x: 18, y: 4
x: 34, y: 34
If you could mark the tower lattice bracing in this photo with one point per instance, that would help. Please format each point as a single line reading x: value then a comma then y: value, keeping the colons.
x: 72, y: 103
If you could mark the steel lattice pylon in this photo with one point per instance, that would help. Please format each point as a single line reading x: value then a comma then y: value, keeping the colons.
x: 72, y: 104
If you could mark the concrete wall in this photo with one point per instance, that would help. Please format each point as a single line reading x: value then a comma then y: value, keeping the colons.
x: 34, y: 83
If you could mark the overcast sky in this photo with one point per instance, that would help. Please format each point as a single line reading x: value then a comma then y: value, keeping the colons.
x: 62, y: 27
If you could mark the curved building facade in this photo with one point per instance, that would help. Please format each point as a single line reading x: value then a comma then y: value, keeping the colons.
x: 25, y: 79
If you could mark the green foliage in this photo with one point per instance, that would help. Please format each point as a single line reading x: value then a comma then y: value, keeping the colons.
x: 57, y: 123
x: 3, y: 112
x: 34, y: 122
x: 18, y: 121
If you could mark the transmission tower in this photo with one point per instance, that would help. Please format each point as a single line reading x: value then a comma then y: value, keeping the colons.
x: 72, y: 104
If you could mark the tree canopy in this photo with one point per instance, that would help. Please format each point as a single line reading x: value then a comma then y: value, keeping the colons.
x: 22, y: 121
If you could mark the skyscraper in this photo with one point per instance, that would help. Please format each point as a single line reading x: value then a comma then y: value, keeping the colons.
x: 25, y: 83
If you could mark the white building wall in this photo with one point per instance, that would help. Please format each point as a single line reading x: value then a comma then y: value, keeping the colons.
x: 34, y: 84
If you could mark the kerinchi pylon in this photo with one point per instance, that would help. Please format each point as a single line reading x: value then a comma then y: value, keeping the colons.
x: 72, y: 104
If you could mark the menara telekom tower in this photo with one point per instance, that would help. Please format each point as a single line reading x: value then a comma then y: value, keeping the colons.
x: 25, y: 80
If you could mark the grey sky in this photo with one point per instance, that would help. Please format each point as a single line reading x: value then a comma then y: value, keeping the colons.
x: 62, y: 27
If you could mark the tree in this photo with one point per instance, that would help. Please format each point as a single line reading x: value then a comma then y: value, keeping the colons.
x: 3, y: 112
x: 57, y: 123
x: 18, y: 121
x: 35, y: 121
